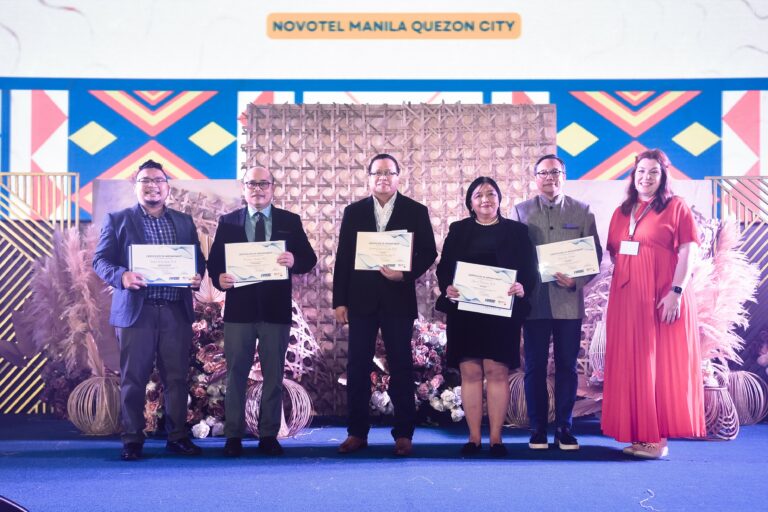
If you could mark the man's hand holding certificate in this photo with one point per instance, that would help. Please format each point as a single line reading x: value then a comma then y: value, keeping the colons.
x: 484, y: 289
x: 391, y: 249
x: 573, y: 258
x: 253, y: 262
x: 163, y: 265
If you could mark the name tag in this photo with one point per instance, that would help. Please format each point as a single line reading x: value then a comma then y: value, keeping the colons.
x: 629, y: 247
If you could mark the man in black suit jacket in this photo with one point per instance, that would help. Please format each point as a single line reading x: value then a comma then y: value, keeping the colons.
x: 261, y: 310
x: 386, y: 300
x: 150, y: 321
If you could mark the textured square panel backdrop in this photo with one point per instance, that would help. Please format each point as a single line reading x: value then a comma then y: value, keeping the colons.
x: 319, y: 155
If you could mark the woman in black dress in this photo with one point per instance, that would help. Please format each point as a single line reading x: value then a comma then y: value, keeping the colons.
x: 483, y: 345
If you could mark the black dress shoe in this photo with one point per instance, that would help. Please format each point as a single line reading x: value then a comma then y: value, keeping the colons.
x: 498, y: 451
x: 270, y: 446
x: 183, y: 446
x: 471, y: 448
x: 131, y: 451
x: 233, y: 447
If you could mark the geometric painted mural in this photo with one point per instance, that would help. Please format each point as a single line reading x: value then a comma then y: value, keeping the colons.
x: 745, y: 133
x: 600, y: 132
x: 112, y: 130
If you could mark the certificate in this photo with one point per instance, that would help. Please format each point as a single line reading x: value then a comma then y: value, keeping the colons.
x: 574, y: 258
x: 252, y: 262
x: 378, y: 249
x: 483, y: 289
x: 164, y: 265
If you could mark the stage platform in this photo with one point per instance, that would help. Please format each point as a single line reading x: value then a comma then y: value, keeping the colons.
x: 46, y: 465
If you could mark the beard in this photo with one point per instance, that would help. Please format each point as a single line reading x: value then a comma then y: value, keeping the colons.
x: 153, y: 202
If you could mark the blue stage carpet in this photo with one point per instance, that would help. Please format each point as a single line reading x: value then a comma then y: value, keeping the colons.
x: 45, y: 465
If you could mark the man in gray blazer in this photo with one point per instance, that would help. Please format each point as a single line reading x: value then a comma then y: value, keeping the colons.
x: 557, y: 306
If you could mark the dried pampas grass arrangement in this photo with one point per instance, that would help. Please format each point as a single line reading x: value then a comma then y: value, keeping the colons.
x: 724, y: 284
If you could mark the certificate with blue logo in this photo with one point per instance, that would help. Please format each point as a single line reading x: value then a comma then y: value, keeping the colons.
x: 574, y: 258
x: 163, y: 265
x: 484, y: 288
x: 253, y: 262
x: 376, y: 249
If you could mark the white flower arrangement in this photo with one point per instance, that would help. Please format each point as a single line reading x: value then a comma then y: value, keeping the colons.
x: 201, y: 430
x: 381, y: 402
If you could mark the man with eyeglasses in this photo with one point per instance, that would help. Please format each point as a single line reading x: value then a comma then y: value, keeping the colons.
x: 380, y: 300
x: 557, y: 307
x: 257, y: 311
x: 153, y: 323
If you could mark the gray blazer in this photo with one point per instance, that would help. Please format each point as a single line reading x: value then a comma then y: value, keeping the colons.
x: 566, y: 220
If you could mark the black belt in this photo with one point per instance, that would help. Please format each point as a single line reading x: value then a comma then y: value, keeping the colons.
x: 159, y: 302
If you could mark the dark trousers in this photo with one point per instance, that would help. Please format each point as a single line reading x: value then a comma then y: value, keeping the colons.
x: 566, y: 336
x: 161, y: 334
x: 396, y: 333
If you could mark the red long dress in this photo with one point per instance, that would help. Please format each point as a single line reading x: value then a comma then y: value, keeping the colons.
x: 653, y: 387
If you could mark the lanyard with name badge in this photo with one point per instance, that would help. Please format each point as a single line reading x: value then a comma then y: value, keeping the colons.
x: 631, y: 247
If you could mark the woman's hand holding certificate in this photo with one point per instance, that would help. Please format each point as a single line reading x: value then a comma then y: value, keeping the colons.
x: 485, y: 289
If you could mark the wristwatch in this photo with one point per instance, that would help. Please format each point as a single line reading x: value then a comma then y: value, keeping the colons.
x: 677, y: 289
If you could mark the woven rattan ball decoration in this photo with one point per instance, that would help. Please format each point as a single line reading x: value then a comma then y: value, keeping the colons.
x: 94, y: 406
x: 720, y: 414
x: 749, y: 393
x: 294, y: 397
x: 517, y: 412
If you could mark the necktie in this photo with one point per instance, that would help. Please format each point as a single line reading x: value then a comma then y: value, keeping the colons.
x: 259, y: 233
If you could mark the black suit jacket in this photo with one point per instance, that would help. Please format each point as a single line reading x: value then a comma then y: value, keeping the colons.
x: 514, y: 250
x: 268, y: 301
x: 364, y: 292
x: 111, y: 259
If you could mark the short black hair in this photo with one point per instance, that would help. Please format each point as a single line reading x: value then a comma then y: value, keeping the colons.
x: 382, y: 156
x: 150, y: 164
x: 472, y: 186
x: 550, y: 156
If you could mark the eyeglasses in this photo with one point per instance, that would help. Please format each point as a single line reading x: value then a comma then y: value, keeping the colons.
x: 383, y: 174
x: 554, y: 173
x: 261, y: 185
x: 156, y: 181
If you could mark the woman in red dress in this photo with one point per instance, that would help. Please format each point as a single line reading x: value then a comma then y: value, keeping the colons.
x: 653, y: 388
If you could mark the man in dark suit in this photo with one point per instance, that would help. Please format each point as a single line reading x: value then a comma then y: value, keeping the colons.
x: 384, y: 299
x: 257, y: 311
x: 151, y: 322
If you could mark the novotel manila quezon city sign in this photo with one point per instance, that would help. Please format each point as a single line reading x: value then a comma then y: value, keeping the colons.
x: 394, y: 25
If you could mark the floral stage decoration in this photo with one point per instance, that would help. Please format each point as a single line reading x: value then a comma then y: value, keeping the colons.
x: 207, y: 377
x: 67, y: 319
x: 438, y: 389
